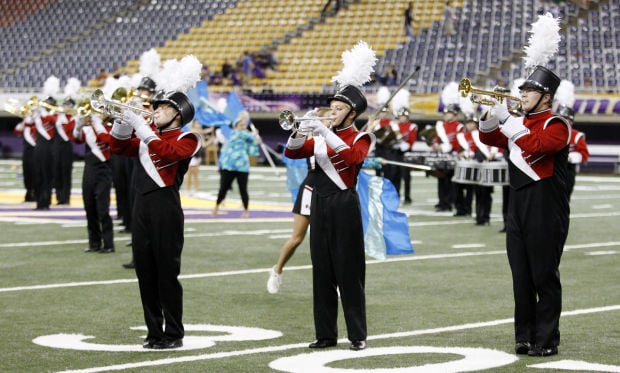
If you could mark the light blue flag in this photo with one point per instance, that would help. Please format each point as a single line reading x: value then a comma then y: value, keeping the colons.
x: 386, y: 230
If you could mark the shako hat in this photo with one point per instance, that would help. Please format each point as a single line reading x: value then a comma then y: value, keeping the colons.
x: 353, y: 96
x: 147, y: 84
x: 179, y: 101
x: 543, y: 80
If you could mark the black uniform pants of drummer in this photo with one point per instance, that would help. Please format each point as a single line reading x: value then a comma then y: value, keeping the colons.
x: 157, y: 242
x: 338, y: 262
x: 537, y: 227
x: 96, y: 186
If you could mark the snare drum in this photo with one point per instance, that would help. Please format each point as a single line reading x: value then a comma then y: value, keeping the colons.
x: 443, y: 162
x: 466, y: 172
x: 494, y: 173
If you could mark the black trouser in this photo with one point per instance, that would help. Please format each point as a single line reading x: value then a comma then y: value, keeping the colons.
x: 405, y: 173
x: 226, y: 180
x: 157, y: 242
x: 338, y: 262
x: 536, y: 231
x: 44, y: 166
x: 571, y: 176
x: 96, y: 186
x: 445, y: 190
x: 63, y: 166
x: 484, y: 200
x: 28, y: 170
x: 463, y: 198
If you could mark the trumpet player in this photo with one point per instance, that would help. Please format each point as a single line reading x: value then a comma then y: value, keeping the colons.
x: 45, y: 123
x: 96, y: 182
x: 538, y: 209
x: 63, y: 151
x: 28, y: 132
x: 164, y: 154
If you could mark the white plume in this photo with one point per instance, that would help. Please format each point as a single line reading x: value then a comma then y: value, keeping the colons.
x: 514, y: 90
x: 467, y: 107
x: 565, y: 95
x: 112, y: 84
x: 383, y: 94
x: 72, y: 87
x: 150, y: 63
x: 400, y: 100
x: 544, y: 41
x: 359, y: 63
x: 179, y: 75
x: 450, y: 94
x: 51, y: 87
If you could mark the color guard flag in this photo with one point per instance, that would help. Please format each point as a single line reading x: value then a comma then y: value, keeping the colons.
x: 386, y: 230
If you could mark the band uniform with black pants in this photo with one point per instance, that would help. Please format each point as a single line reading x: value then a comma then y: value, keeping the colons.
x: 96, y: 183
x: 336, y: 231
x: 157, y: 228
x: 538, y: 209
x: 45, y: 124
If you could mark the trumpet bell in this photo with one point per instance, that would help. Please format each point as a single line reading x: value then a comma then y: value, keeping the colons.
x: 287, y: 120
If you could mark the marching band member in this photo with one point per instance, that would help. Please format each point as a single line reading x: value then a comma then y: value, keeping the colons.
x: 336, y: 230
x: 538, y: 211
x: 27, y: 130
x: 63, y: 151
x: 409, y: 134
x: 464, y: 193
x: 445, y: 142
x: 96, y: 182
x: 45, y: 123
x: 157, y: 238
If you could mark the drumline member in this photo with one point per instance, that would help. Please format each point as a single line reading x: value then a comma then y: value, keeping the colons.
x: 409, y: 135
x: 445, y: 142
x: 157, y: 238
x: 96, y: 182
x: 385, y: 130
x: 538, y: 211
x: 578, y: 148
x: 464, y: 192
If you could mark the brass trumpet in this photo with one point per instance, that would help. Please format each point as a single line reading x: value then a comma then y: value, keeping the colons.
x: 288, y: 120
x: 113, y: 108
x: 465, y: 88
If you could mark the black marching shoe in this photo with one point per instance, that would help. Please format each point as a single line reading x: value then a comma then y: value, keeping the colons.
x: 323, y: 343
x: 522, y: 348
x: 543, y: 351
x: 150, y: 342
x: 129, y: 265
x: 107, y: 250
x: 92, y: 250
x: 357, y: 345
x: 167, y: 344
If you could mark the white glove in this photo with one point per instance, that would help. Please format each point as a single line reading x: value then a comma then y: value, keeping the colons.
x: 120, y: 130
x: 513, y: 129
x: 316, y: 127
x: 133, y: 119
x: 311, y: 113
x: 500, y: 111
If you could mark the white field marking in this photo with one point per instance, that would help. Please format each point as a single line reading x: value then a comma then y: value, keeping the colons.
x: 474, y: 359
x: 466, y: 221
x: 405, y: 258
x: 468, y: 246
x: 608, y: 252
x: 251, y: 351
x: 582, y: 366
x: 279, y: 236
x: 600, y: 207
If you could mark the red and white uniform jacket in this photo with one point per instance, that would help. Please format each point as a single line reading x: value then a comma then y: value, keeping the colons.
x: 533, y: 146
x: 97, y: 139
x: 577, y: 148
x: 341, y: 165
x: 27, y: 130
x: 64, y: 127
x: 45, y: 124
x: 446, y: 135
x: 409, y: 133
x: 164, y: 160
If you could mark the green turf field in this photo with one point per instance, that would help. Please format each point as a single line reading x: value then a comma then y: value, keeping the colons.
x: 448, y: 307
